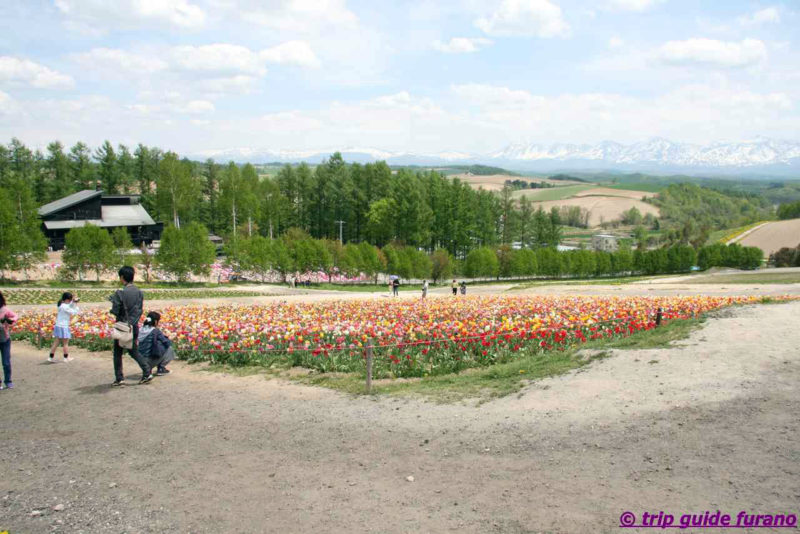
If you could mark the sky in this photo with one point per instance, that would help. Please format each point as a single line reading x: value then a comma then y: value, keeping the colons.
x: 198, y: 76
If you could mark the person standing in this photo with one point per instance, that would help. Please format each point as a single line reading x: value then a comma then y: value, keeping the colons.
x: 424, y: 288
x: 395, y: 286
x: 7, y: 318
x: 454, y: 287
x: 129, y: 310
x: 463, y: 287
x: 67, y: 307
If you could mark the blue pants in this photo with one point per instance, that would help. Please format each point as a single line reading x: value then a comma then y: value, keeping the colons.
x: 5, y: 351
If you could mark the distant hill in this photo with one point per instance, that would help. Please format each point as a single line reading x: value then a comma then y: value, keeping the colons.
x: 758, y: 158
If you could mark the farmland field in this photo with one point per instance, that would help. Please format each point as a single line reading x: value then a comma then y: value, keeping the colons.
x: 634, y: 186
x: 606, y: 191
x: 772, y: 236
x: 602, y: 208
x: 495, y: 182
x: 555, y: 193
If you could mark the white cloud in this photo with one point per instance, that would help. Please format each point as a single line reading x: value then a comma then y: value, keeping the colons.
x: 114, y: 61
x: 291, y: 53
x: 633, y: 5
x: 196, y: 107
x: 240, y: 84
x: 8, y: 105
x: 30, y: 73
x: 224, y: 58
x: 462, y: 45
x: 298, y: 16
x: 528, y: 18
x: 762, y: 16
x: 220, y: 58
x: 689, y: 113
x: 711, y: 52
x: 97, y: 16
x: 615, y: 42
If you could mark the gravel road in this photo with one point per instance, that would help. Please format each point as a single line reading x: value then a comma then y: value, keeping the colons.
x: 709, y: 424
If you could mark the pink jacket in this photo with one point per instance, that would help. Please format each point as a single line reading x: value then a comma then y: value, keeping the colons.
x: 6, y: 313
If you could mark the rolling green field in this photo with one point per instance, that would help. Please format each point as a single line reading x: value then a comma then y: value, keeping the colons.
x: 642, y: 186
x: 555, y: 193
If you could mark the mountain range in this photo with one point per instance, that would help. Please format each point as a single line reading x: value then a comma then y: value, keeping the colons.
x: 758, y: 156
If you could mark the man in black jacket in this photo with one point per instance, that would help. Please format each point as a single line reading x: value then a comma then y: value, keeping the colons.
x: 129, y: 310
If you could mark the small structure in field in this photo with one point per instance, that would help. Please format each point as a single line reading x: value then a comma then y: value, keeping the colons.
x: 605, y: 242
x: 106, y: 211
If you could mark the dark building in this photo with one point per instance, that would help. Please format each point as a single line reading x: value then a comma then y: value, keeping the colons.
x: 105, y: 211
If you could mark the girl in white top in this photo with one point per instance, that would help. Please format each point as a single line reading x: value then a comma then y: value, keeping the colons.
x: 67, y: 307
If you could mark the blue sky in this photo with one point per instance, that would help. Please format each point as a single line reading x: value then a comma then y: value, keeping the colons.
x: 197, y: 76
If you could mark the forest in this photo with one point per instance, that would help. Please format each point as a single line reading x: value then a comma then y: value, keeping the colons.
x: 350, y: 217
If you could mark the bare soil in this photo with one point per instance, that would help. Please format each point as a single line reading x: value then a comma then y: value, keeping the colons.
x: 709, y: 424
x: 772, y: 236
x: 495, y: 182
x: 601, y: 208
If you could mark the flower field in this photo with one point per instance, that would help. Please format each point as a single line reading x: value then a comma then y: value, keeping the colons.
x: 411, y: 337
x: 25, y: 296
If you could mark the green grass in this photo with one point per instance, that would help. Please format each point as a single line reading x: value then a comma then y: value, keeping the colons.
x: 586, y: 281
x: 363, y: 288
x: 734, y: 278
x: 554, y: 193
x: 483, y: 383
x: 636, y: 186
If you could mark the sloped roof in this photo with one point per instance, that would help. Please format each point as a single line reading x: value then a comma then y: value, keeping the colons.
x: 112, y: 216
x: 66, y: 202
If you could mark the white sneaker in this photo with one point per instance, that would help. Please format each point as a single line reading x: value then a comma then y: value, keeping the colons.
x: 50, y: 359
x: 68, y: 359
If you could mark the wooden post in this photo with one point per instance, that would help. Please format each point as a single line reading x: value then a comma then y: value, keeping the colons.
x: 369, y: 367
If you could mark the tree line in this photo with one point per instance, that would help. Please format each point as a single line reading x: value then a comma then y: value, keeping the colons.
x: 415, y: 222
x: 370, y: 202
x: 185, y: 250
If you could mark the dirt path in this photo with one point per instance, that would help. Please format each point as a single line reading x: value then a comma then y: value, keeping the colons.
x: 711, y: 424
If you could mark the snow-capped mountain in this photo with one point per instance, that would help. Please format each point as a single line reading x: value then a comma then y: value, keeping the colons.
x: 655, y: 155
x: 761, y: 151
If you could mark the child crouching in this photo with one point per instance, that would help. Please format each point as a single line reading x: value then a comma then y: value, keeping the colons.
x: 154, y: 345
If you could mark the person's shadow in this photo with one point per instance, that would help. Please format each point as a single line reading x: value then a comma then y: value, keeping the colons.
x: 96, y: 389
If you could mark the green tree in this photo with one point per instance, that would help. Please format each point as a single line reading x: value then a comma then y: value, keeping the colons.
x: 122, y: 243
x: 146, y: 261
x: 371, y: 263
x: 23, y: 243
x: 186, y: 250
x: 89, y: 248
x: 80, y: 164
x: 257, y: 255
x: 381, y: 220
x: 107, y: 167
x: 441, y: 265
x: 351, y: 261
x: 176, y: 190
x: 481, y: 263
x: 58, y: 168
